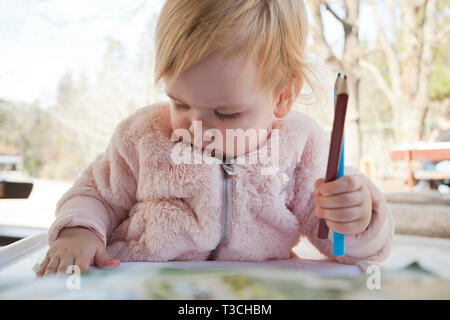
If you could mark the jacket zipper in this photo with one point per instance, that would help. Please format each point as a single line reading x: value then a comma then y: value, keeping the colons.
x: 228, y: 198
x: 227, y: 204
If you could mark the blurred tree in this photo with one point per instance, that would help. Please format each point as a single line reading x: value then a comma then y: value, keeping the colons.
x: 350, y: 57
x: 411, y: 70
x: 410, y: 47
x: 32, y: 140
x: 59, y: 141
x: 92, y: 110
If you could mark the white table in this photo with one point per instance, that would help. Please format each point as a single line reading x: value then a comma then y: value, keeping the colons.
x: 18, y: 280
x: 18, y: 259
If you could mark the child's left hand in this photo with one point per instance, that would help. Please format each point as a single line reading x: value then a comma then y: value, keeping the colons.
x: 345, y: 203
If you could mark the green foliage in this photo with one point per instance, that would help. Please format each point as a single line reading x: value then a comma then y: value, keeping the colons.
x: 440, y: 76
x: 30, y: 140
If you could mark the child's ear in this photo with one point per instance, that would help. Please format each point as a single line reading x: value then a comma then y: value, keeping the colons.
x: 286, y: 98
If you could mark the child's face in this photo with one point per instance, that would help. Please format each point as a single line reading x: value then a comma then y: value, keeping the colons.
x: 222, y: 94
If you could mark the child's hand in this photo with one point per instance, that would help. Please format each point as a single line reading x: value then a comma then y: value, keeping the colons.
x: 345, y: 203
x: 76, y: 246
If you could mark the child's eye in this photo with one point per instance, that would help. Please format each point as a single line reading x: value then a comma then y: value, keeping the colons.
x: 223, y: 116
x: 180, y: 106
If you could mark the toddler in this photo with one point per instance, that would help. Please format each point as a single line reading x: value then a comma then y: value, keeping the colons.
x: 179, y: 180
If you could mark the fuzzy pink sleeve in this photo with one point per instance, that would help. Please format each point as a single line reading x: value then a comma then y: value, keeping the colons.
x: 103, y: 193
x: 374, y: 243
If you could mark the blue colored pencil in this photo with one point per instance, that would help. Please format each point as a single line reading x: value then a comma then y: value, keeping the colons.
x: 338, y: 238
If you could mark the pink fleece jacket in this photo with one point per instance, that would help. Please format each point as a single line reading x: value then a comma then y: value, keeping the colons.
x: 145, y: 207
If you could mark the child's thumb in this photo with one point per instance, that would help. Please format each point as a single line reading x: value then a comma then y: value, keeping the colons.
x: 104, y: 260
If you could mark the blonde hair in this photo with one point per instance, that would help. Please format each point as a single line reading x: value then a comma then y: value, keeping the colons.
x: 273, y: 31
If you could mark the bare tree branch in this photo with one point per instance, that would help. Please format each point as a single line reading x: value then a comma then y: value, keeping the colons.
x: 410, y: 46
x: 347, y: 24
x: 428, y: 53
x: 382, y: 84
x: 319, y: 37
x: 389, y: 51
x: 391, y: 5
x: 327, y: 6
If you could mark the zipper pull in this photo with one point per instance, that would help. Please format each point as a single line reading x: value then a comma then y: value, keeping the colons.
x: 228, y: 169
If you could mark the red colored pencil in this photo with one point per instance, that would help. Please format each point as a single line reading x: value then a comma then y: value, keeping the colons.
x: 335, y: 144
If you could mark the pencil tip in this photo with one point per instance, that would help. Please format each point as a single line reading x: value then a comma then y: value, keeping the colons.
x: 343, y: 86
x: 336, y: 82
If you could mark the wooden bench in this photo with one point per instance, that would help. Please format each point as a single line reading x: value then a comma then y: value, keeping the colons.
x: 431, y: 175
x: 435, y: 151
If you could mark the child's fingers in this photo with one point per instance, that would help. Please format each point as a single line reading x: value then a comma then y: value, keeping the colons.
x: 340, y: 215
x: 83, y: 263
x: 343, y: 200
x: 347, y: 228
x: 104, y: 260
x: 64, y: 264
x: 42, y: 266
x: 342, y: 185
x: 52, y: 266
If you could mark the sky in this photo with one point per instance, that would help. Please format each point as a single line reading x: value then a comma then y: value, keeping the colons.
x: 43, y: 39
